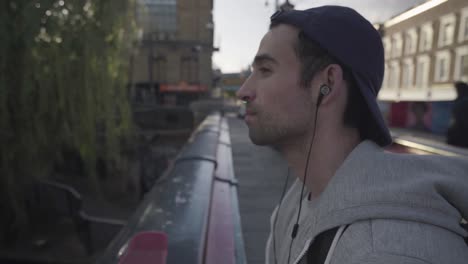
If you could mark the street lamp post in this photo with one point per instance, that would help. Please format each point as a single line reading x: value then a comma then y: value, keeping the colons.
x: 286, y: 6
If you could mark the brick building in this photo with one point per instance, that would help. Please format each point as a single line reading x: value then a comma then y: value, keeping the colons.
x: 172, y: 64
x: 426, y: 51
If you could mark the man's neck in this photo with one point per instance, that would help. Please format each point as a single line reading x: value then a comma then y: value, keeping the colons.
x: 328, y: 152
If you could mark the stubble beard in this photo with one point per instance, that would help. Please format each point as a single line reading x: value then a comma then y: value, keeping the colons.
x: 265, y: 130
x: 270, y: 131
x: 281, y: 131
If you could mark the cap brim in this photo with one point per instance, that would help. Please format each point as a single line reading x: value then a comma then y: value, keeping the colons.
x: 378, y: 131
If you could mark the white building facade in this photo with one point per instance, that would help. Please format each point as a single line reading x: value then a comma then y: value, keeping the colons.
x: 426, y: 51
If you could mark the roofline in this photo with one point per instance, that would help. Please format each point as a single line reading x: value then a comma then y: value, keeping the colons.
x: 413, y: 12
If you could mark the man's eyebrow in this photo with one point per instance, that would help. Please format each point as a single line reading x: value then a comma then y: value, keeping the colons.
x: 263, y: 58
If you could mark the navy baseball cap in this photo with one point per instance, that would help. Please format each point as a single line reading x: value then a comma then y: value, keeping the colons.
x: 356, y: 44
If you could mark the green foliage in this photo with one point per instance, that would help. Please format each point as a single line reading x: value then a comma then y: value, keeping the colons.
x: 63, y: 75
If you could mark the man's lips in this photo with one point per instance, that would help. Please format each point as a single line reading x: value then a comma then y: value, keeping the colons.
x: 249, y: 115
x: 250, y: 111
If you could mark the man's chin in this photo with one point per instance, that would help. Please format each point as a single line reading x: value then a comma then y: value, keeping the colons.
x: 256, y: 139
x: 270, y: 145
x: 260, y: 140
x: 265, y: 141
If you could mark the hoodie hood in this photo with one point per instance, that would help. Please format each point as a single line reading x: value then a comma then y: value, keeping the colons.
x: 375, y: 184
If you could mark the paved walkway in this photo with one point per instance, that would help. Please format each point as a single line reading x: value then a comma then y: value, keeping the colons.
x: 261, y: 173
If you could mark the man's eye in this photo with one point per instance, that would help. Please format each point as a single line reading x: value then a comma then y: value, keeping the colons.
x: 264, y: 70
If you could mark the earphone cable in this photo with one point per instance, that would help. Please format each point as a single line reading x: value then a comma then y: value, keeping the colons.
x: 296, y: 225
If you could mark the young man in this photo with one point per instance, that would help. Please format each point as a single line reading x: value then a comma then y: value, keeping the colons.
x: 312, y: 96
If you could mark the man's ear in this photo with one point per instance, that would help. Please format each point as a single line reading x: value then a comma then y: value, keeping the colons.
x: 333, y: 78
x: 334, y: 74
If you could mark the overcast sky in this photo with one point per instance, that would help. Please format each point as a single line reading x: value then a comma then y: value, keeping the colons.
x: 240, y: 24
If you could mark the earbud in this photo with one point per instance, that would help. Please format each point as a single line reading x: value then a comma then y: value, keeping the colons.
x: 324, y: 90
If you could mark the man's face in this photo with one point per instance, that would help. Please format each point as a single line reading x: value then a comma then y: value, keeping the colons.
x: 279, y: 109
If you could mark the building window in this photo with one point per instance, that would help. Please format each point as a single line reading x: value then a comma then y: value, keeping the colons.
x: 411, y: 40
x: 394, y: 75
x: 189, y: 69
x: 461, y: 64
x: 397, y: 45
x: 427, y: 33
x: 408, y: 73
x: 446, y: 30
x: 442, y: 66
x: 157, y: 16
x: 160, y: 69
x: 463, y: 29
x: 422, y: 72
x: 465, y: 32
x: 385, y: 80
x: 387, y: 46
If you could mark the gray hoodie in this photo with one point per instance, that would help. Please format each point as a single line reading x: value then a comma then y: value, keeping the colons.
x: 398, y: 208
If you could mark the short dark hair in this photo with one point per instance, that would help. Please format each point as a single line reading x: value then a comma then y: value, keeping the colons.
x: 313, y: 59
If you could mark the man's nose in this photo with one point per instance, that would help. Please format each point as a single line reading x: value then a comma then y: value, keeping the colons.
x: 246, y: 93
